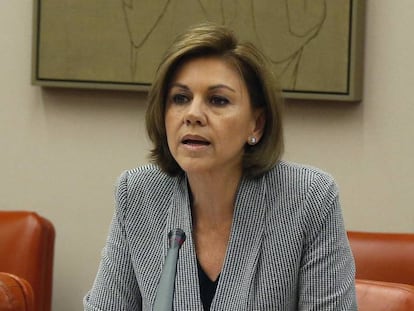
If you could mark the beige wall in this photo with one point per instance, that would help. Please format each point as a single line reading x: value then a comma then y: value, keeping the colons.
x: 62, y: 150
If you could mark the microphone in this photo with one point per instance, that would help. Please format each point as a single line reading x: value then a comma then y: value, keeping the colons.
x: 165, y: 291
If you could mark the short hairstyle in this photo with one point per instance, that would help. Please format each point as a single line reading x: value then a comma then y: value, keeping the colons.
x: 215, y: 40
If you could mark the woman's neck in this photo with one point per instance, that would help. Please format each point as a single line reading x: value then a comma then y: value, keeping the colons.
x: 213, y: 198
x: 212, y: 212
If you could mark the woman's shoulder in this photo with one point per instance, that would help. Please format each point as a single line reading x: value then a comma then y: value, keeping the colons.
x: 302, y: 190
x: 292, y: 173
x: 288, y: 167
x: 145, y: 177
x: 146, y: 173
x: 146, y: 185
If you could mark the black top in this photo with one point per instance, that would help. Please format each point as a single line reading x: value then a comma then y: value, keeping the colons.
x: 207, y: 287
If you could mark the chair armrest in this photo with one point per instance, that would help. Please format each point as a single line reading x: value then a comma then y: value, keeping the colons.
x: 16, y: 293
x: 384, y: 296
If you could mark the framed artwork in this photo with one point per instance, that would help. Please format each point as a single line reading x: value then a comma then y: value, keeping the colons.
x: 315, y: 48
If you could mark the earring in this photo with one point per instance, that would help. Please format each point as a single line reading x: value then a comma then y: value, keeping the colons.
x: 252, y: 140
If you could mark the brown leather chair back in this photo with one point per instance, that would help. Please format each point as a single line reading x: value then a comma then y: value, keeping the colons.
x: 26, y: 250
x: 15, y: 293
x: 387, y: 257
x: 384, y: 296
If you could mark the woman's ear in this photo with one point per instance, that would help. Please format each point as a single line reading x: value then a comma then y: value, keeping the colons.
x: 260, y: 121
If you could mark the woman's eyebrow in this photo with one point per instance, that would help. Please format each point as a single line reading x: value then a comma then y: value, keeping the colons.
x: 213, y: 87
x: 179, y: 85
x: 220, y: 86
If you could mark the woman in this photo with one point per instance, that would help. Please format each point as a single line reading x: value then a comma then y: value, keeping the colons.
x: 262, y: 234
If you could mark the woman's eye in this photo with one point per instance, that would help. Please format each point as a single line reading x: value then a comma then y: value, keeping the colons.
x: 219, y: 100
x: 180, y: 99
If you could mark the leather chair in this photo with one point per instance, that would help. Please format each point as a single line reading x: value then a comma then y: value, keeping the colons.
x: 387, y: 257
x: 27, y: 250
x: 16, y: 294
x: 384, y: 296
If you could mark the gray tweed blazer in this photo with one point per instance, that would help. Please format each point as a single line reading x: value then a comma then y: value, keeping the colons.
x: 288, y: 248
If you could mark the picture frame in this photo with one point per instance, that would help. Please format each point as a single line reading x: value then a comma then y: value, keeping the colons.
x: 316, y: 53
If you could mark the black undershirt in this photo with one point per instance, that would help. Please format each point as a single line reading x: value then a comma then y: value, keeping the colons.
x: 207, y: 287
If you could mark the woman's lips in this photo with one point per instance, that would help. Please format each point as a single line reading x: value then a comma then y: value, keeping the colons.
x: 194, y: 142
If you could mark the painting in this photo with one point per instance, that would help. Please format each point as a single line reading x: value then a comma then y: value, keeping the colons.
x: 314, y: 47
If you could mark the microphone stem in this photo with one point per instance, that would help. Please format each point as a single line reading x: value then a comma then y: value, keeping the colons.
x: 165, y: 293
x: 166, y: 287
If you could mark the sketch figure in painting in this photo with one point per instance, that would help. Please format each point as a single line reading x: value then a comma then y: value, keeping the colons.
x: 149, y: 13
x: 291, y: 25
x: 154, y: 23
x: 282, y: 36
x: 295, y: 24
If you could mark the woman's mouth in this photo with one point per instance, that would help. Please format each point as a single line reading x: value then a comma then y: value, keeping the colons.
x: 195, y: 142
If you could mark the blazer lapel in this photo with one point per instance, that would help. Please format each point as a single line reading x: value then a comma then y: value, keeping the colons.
x: 242, y: 252
x: 244, y: 246
x: 187, y: 296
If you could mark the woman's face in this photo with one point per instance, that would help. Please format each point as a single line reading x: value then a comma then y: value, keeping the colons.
x: 209, y: 117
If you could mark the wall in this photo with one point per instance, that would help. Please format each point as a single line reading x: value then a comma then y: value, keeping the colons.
x: 62, y: 149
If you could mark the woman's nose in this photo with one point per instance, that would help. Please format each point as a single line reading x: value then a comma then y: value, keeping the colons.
x: 195, y: 114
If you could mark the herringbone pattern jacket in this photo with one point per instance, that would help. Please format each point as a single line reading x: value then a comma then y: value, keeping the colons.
x: 287, y: 251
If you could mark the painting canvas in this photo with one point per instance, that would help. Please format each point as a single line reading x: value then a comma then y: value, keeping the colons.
x: 314, y: 47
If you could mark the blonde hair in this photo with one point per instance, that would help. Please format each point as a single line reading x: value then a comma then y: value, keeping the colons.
x: 219, y: 41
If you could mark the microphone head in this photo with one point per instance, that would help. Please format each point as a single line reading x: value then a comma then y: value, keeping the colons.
x: 176, y: 237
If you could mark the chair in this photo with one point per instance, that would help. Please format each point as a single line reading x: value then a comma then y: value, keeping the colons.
x: 384, y: 296
x: 27, y: 250
x: 16, y: 294
x: 387, y: 257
